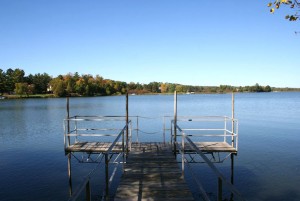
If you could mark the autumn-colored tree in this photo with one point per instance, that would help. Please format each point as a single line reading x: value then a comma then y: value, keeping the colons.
x: 293, y: 4
x: 58, y: 87
x: 163, y: 88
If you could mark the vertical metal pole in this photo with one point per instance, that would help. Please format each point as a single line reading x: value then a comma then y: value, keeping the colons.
x: 137, y: 128
x: 220, y: 189
x: 68, y: 120
x: 130, y: 132
x: 106, y: 177
x: 88, y: 191
x: 123, y: 142
x: 175, y: 121
x: 232, y: 173
x: 182, y: 154
x: 123, y: 151
x: 164, y: 130
x: 127, y: 122
x: 232, y: 137
x: 70, y: 174
x: 225, y: 128
x: 171, y: 133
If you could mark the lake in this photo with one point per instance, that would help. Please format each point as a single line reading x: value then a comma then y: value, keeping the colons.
x: 33, y: 165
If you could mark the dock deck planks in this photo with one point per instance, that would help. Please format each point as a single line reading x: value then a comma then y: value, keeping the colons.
x: 210, y: 147
x: 99, y: 147
x: 95, y: 147
x: 152, y: 173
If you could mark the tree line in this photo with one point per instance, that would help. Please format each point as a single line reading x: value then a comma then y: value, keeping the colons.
x: 14, y: 81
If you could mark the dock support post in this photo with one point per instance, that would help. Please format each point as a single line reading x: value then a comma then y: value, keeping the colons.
x: 232, y: 137
x: 137, y: 129
x: 70, y: 174
x: 232, y: 173
x: 220, y: 189
x: 175, y: 121
x: 182, y: 155
x: 106, y: 178
x: 88, y: 191
x: 127, y: 120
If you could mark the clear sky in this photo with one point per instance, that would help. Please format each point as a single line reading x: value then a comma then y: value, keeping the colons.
x: 191, y: 42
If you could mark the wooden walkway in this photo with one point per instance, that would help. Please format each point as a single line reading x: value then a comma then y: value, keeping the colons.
x: 152, y: 173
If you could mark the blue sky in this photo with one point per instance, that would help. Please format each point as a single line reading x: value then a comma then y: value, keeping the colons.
x: 191, y: 42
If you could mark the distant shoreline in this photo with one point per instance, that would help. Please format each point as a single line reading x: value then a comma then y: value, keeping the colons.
x: 44, y: 96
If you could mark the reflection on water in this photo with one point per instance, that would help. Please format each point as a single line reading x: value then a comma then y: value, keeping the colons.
x: 33, y: 165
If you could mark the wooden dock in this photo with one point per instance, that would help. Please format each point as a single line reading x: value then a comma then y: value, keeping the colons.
x: 209, y: 147
x: 152, y: 173
x: 94, y: 147
x: 100, y: 147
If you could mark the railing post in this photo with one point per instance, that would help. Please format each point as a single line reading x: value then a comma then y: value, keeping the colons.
x: 164, y: 130
x: 225, y: 128
x: 232, y: 137
x: 127, y: 122
x: 130, y: 136
x: 76, y: 138
x: 88, y: 191
x: 175, y: 121
x: 171, y: 132
x: 182, y: 153
x: 137, y: 128
x: 220, y: 189
x: 68, y: 120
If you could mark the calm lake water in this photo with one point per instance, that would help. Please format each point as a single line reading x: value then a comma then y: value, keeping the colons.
x: 33, y: 165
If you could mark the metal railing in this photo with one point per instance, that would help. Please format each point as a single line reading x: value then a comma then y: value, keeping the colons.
x: 86, y: 181
x: 77, y: 128
x: 185, y: 138
x: 223, y: 128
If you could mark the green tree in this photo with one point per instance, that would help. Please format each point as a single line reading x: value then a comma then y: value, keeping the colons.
x: 2, y: 81
x: 21, y: 88
x: 179, y: 88
x: 41, y: 82
x: 171, y: 88
x: 267, y: 89
x: 9, y: 81
x: 18, y: 75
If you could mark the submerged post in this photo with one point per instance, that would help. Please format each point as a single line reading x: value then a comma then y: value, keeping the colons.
x: 232, y: 137
x: 232, y: 173
x: 175, y: 121
x: 88, y: 191
x: 127, y: 120
x: 70, y: 174
x: 220, y: 190
x: 106, y: 177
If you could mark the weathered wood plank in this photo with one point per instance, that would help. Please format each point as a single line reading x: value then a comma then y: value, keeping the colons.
x: 152, y: 173
x: 96, y: 147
